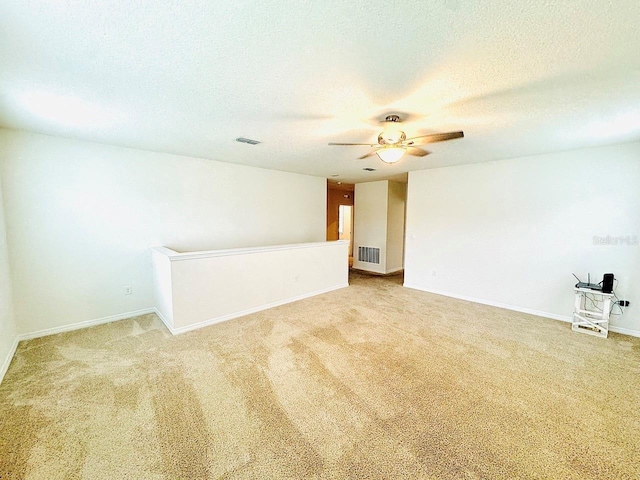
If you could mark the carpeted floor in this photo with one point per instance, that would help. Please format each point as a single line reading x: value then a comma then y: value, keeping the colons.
x: 371, y: 381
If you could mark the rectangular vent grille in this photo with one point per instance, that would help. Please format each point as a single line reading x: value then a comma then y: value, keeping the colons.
x: 369, y: 254
x: 247, y: 140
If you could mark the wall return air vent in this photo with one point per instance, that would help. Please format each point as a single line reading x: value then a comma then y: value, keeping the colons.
x: 369, y: 254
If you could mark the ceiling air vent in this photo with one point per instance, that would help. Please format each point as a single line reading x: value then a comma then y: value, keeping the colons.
x: 247, y: 140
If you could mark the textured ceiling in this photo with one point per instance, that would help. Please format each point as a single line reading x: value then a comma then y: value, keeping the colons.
x: 519, y: 77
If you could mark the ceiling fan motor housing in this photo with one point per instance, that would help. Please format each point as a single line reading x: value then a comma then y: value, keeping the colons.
x: 391, y: 137
x: 392, y: 133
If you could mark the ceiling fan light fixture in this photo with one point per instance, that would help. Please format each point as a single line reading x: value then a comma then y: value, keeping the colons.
x: 391, y: 154
x: 392, y: 133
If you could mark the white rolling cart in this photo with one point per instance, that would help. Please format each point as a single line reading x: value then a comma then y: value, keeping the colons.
x: 590, y: 318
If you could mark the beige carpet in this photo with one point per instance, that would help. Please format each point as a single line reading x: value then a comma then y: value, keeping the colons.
x: 372, y: 381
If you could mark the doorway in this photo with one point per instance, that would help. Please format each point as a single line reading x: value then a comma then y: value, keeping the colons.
x: 340, y: 213
x: 345, y: 226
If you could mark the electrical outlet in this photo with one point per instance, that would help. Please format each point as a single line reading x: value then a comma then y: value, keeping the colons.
x: 433, y: 273
x: 297, y: 279
x: 128, y: 290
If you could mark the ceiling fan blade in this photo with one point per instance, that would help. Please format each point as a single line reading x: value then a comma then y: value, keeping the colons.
x: 417, y: 152
x: 349, y: 144
x: 371, y: 153
x: 437, y: 137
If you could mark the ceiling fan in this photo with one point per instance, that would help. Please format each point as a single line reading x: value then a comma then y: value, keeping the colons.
x: 393, y: 142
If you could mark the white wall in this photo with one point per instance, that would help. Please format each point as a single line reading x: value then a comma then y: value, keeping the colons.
x: 8, y: 332
x: 370, y: 222
x: 163, y: 283
x: 203, y: 288
x: 81, y: 218
x: 379, y: 214
x: 511, y: 232
x: 395, y: 226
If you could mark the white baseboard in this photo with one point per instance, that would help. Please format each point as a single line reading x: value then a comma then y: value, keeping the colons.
x: 7, y: 360
x: 164, y: 320
x: 84, y: 324
x: 212, y: 321
x: 624, y: 331
x: 66, y: 328
x: 380, y: 274
x: 145, y: 311
x: 612, y: 328
x: 242, y: 313
x: 539, y: 313
x: 394, y: 270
